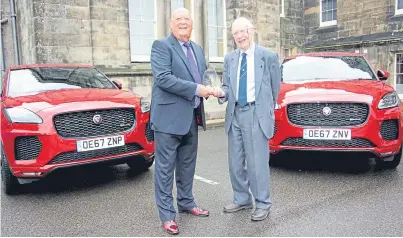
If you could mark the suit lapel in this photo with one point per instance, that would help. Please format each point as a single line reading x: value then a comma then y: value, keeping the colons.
x: 259, y: 67
x: 178, y: 48
x: 234, y: 70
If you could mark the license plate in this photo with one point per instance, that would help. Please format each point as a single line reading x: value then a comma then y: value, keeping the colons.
x: 100, y: 143
x: 327, y: 134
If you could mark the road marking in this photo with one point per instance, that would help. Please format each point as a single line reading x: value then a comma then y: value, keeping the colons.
x: 205, y: 180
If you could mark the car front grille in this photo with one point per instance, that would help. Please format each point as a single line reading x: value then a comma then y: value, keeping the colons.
x: 390, y: 129
x: 81, y: 124
x: 27, y: 147
x: 149, y: 133
x: 354, y: 142
x: 74, y: 156
x: 341, y: 114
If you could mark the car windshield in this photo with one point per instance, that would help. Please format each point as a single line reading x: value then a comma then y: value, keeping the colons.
x: 326, y: 68
x: 41, y: 79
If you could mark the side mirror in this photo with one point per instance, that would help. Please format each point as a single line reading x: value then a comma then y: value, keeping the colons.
x: 117, y: 83
x: 383, y: 74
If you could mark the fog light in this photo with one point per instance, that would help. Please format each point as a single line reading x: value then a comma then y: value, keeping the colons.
x: 32, y: 174
x: 386, y: 153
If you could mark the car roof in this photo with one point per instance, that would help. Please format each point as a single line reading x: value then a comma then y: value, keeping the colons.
x: 315, y: 54
x: 27, y: 66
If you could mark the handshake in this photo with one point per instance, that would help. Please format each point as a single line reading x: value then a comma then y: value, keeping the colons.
x: 205, y: 91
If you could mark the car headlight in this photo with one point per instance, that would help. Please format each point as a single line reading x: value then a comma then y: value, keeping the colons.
x: 22, y: 115
x: 389, y: 100
x: 145, y: 105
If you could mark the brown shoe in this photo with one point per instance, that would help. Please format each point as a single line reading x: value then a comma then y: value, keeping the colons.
x: 171, y: 227
x: 197, y: 211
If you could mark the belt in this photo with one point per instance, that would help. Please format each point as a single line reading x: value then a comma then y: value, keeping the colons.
x: 248, y: 104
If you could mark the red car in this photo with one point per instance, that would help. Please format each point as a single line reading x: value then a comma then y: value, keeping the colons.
x: 337, y: 102
x: 58, y: 116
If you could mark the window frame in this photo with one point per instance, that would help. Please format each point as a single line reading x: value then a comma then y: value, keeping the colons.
x: 225, y: 40
x: 395, y: 73
x: 136, y: 57
x: 326, y: 23
x: 282, y: 14
x: 398, y: 11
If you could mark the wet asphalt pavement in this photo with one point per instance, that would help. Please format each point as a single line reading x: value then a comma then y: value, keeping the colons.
x: 312, y: 196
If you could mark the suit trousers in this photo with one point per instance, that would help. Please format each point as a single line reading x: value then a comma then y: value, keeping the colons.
x: 175, y: 153
x: 248, y: 151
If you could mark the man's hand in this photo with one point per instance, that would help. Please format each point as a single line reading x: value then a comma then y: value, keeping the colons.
x: 205, y: 91
x: 218, y: 92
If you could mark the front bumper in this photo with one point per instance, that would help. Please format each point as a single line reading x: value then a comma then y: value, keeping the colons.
x: 57, y: 152
x: 365, y: 138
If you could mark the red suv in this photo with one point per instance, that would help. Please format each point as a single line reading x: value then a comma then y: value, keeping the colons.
x: 56, y: 116
x: 336, y: 102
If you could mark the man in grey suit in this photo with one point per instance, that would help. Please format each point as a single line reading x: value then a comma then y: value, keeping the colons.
x: 176, y: 112
x: 251, y: 86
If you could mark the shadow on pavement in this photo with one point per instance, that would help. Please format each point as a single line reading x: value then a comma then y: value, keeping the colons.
x: 322, y: 161
x: 82, y: 178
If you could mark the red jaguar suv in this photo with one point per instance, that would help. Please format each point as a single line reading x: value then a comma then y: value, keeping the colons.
x: 335, y: 101
x: 57, y: 116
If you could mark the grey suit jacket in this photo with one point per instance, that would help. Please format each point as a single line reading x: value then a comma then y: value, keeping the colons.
x: 173, y: 91
x: 267, y: 86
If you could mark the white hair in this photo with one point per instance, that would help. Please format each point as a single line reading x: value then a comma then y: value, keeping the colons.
x: 181, y: 9
x: 244, y: 22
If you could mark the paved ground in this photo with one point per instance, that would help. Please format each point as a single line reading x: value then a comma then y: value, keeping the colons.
x: 311, y: 197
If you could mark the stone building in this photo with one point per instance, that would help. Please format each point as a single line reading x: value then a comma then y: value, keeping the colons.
x: 116, y: 35
x: 372, y: 27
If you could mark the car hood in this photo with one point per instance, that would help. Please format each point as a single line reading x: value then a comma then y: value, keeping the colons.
x: 365, y: 91
x: 74, y: 99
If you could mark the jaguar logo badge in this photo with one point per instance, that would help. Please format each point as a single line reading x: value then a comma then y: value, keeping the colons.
x: 97, y: 119
x: 326, y: 111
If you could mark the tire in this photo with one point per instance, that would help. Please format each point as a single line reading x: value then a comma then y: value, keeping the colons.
x: 140, y: 165
x: 10, y: 183
x: 381, y: 164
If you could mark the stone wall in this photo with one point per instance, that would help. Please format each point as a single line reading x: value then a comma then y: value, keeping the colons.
x: 292, y: 34
x: 6, y: 31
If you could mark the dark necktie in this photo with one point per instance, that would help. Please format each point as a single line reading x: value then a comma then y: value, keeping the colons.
x: 193, y: 68
x: 243, y: 77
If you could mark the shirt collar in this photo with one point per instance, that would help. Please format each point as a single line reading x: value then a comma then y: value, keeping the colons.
x: 250, y: 50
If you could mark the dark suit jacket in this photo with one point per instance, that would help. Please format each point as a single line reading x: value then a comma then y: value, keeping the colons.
x: 173, y: 91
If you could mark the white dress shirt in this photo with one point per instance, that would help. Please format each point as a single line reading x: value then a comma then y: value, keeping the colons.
x: 250, y: 85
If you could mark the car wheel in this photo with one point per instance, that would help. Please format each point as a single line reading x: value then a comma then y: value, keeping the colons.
x: 140, y: 165
x: 10, y: 183
x: 381, y: 164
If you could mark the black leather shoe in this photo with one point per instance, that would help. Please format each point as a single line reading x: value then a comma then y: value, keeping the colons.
x: 260, y: 214
x: 234, y: 207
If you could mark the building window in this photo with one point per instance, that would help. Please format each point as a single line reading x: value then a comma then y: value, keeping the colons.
x: 142, y: 28
x: 216, y: 30
x: 175, y: 4
x: 399, y: 7
x: 328, y: 12
x: 281, y: 8
x: 399, y: 74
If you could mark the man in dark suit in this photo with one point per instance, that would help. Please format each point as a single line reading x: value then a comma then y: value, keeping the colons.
x: 177, y: 110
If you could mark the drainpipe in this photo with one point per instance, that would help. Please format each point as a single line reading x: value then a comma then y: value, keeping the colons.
x: 3, y: 63
x: 15, y: 37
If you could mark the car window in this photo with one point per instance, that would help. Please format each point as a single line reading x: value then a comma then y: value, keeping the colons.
x: 35, y: 80
x: 334, y: 68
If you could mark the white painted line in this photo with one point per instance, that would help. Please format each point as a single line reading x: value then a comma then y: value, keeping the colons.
x: 205, y: 180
